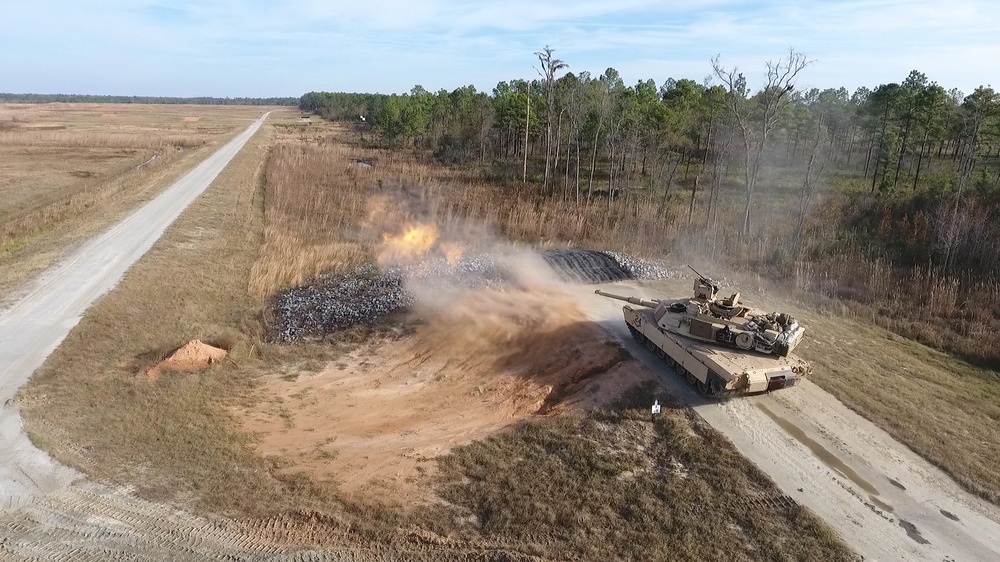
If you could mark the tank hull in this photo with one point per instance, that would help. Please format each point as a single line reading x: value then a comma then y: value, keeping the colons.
x: 713, y: 369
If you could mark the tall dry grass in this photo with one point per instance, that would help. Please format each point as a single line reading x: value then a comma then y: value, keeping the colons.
x: 325, y: 213
x: 75, y: 139
x: 919, y: 303
x: 320, y: 200
x: 316, y: 198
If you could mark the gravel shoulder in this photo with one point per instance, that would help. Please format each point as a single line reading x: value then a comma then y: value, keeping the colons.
x: 885, y: 501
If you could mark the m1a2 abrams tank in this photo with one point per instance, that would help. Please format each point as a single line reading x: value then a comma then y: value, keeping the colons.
x: 720, y: 345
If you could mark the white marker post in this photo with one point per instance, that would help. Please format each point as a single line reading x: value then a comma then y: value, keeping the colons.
x: 655, y: 410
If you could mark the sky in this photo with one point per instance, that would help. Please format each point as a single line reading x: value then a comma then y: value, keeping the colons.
x: 264, y: 48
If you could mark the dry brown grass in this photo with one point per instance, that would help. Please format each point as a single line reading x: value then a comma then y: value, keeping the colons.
x: 317, y: 198
x: 929, y: 308
x: 940, y: 311
x: 173, y: 438
x: 615, y: 486
x: 69, y: 170
x: 324, y: 211
x: 25, y: 136
x: 93, y: 408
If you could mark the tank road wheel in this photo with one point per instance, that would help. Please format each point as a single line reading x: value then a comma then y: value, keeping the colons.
x: 669, y: 360
x: 635, y: 333
x: 690, y: 378
x: 651, y: 346
x: 704, y: 389
x: 744, y: 341
x: 639, y: 337
x: 660, y: 353
x: 718, y: 388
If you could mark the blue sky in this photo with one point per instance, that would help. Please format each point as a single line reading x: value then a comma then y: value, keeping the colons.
x: 286, y: 48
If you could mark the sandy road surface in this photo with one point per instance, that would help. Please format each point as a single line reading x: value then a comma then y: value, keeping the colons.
x: 33, y: 326
x: 884, y: 500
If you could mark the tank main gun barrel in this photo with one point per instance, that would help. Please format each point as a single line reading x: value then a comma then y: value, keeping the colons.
x: 631, y: 300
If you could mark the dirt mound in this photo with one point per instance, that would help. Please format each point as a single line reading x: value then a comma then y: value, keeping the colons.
x: 191, y: 357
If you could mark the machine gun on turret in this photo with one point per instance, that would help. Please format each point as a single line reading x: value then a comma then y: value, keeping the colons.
x: 704, y: 288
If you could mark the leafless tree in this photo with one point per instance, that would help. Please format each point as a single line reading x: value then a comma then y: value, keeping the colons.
x: 549, y: 67
x: 815, y: 163
x: 978, y: 106
x: 756, y: 116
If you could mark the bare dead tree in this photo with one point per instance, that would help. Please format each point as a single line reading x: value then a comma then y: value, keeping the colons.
x: 981, y: 104
x: 756, y: 116
x: 815, y: 163
x: 548, y: 72
x: 662, y: 208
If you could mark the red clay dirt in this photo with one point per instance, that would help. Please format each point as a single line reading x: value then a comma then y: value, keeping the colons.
x: 373, y: 421
x: 191, y: 357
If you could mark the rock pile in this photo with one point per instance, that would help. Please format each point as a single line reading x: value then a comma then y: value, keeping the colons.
x: 586, y: 266
x: 337, y: 301
x: 646, y: 269
x: 332, y: 302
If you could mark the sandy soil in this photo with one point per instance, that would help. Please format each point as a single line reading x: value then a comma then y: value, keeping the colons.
x: 374, y: 421
x: 886, y: 502
x: 90, y: 522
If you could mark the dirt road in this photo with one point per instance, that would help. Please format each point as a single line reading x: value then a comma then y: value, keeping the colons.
x: 885, y: 501
x: 35, y: 322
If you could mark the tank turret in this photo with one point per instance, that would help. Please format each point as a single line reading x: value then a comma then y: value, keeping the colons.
x: 721, y: 321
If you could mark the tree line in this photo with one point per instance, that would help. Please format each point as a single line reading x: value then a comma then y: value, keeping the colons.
x: 579, y: 136
x: 86, y: 98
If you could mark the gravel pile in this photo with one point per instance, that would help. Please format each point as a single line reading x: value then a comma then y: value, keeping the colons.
x: 337, y: 301
x: 646, y: 269
x: 333, y: 302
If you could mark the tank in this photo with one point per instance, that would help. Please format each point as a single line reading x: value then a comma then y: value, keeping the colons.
x: 720, y: 345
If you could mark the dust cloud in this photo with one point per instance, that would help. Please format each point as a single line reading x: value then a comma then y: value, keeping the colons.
x: 470, y: 287
x: 497, y: 338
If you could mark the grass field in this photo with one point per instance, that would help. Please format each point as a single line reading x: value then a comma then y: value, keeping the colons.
x: 191, y: 285
x: 69, y: 170
x: 582, y: 496
x: 616, y: 486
